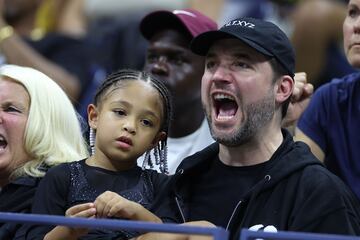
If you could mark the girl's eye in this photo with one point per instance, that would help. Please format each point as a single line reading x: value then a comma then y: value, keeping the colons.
x: 147, y: 122
x: 120, y: 112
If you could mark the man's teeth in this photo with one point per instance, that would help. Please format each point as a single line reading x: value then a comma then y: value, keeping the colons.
x: 220, y: 96
x: 224, y: 117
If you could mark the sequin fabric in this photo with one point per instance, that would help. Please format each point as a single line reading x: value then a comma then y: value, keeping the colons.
x: 82, y: 191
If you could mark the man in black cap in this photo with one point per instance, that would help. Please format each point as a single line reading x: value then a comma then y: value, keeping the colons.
x: 170, y: 59
x: 255, y: 176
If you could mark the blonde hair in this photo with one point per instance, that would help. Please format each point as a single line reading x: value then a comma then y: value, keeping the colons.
x: 53, y: 132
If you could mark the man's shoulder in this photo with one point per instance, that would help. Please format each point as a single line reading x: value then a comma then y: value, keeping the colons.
x: 200, y: 157
x: 316, y: 178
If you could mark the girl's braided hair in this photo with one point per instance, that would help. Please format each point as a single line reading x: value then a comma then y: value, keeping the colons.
x: 117, y: 79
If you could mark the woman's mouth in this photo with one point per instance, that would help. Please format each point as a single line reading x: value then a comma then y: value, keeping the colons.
x: 3, y: 143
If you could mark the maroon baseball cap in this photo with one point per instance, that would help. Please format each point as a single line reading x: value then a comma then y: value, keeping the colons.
x: 188, y: 20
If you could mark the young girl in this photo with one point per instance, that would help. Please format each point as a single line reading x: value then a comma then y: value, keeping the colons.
x: 129, y: 117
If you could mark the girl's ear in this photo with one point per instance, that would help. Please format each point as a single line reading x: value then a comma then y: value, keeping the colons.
x: 93, y: 115
x: 284, y: 89
x: 160, y: 136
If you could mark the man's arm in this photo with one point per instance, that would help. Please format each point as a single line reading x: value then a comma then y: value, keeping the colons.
x: 315, y: 149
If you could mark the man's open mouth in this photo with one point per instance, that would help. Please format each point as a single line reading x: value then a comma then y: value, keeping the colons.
x: 225, y: 106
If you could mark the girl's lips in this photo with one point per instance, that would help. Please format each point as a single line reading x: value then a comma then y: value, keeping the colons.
x: 126, y: 140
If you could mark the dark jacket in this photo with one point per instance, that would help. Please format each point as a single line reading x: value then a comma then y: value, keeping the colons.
x: 296, y: 194
x: 17, y: 196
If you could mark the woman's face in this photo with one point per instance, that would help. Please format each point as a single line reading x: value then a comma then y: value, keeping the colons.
x: 351, y: 30
x: 14, y: 111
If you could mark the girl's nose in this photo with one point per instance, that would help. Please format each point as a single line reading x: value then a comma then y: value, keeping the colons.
x: 129, y: 128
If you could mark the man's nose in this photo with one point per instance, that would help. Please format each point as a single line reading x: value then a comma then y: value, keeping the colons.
x: 221, y: 74
x: 160, y: 67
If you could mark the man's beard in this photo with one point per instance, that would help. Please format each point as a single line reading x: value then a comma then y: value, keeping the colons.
x: 257, y: 115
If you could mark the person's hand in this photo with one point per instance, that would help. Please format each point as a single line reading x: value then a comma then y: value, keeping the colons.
x: 299, y: 99
x: 86, y: 210
x: 110, y: 204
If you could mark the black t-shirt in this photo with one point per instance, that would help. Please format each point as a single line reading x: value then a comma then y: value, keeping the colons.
x: 74, y: 183
x: 220, y: 189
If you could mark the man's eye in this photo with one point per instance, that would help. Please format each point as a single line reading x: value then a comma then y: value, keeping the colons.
x: 152, y: 57
x: 240, y: 64
x: 178, y: 60
x: 210, y: 64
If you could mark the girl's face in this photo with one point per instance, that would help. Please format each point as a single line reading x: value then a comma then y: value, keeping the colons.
x: 127, y: 123
x: 14, y: 111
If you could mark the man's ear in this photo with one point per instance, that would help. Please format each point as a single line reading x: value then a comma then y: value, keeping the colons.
x: 93, y: 115
x: 285, y: 87
x: 160, y: 136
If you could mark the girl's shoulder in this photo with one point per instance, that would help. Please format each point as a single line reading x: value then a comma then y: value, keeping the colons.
x: 62, y: 170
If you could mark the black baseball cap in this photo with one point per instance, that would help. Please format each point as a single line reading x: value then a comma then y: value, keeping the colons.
x: 263, y: 36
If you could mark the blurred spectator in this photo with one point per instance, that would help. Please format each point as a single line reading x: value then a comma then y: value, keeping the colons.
x: 26, y: 40
x: 317, y: 39
x: 169, y: 59
x: 330, y: 124
x: 39, y: 129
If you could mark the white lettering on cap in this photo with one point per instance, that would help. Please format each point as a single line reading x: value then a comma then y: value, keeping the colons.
x: 184, y: 12
x: 240, y: 23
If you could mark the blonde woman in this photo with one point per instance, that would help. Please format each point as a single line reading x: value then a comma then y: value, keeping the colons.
x: 39, y: 128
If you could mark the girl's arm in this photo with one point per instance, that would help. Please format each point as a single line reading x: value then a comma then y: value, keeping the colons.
x: 86, y: 210
x: 110, y: 204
